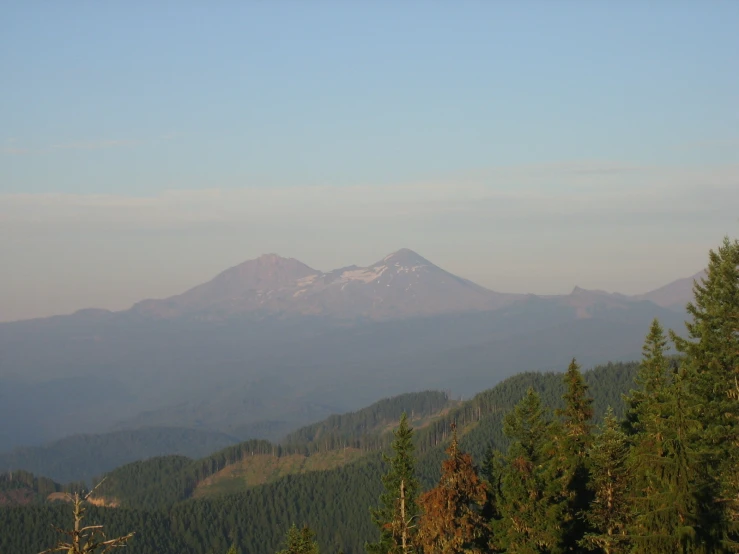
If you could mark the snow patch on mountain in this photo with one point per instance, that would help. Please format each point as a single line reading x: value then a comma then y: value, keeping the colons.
x: 365, y: 275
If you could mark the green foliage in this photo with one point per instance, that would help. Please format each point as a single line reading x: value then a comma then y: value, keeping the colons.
x: 573, y: 440
x: 529, y: 494
x: 32, y: 489
x: 33, y: 528
x: 398, y: 503
x: 669, y: 485
x: 651, y: 380
x: 366, y: 428
x: 85, y: 539
x: 300, y: 541
x: 577, y: 413
x: 712, y: 361
x: 610, y: 477
x: 334, y: 502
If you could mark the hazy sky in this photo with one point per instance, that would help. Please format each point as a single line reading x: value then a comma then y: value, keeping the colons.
x: 529, y: 146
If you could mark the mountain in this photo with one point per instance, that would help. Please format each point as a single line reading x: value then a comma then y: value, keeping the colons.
x: 674, y: 295
x: 272, y: 345
x: 403, y: 284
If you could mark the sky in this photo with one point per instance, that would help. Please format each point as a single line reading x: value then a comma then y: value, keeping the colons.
x: 528, y: 146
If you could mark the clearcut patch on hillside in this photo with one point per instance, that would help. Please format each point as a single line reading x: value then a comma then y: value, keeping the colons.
x: 265, y: 468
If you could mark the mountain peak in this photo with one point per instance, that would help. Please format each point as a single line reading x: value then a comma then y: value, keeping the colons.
x: 270, y: 257
x: 268, y: 267
x: 674, y: 295
x: 404, y: 257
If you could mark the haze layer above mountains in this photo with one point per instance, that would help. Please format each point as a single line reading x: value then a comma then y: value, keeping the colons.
x: 272, y: 344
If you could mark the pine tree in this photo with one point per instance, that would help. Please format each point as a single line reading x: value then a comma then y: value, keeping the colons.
x: 299, y: 541
x: 398, y: 504
x: 575, y: 438
x: 670, y: 497
x: 492, y: 472
x: 652, y: 378
x: 610, y: 476
x: 452, y: 522
x: 712, y: 357
x: 530, y: 499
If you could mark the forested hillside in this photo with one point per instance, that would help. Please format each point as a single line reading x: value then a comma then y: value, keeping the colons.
x: 335, y: 502
x: 357, y: 428
x: 22, y: 487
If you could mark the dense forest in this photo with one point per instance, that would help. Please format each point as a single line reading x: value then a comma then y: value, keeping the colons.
x: 638, y: 458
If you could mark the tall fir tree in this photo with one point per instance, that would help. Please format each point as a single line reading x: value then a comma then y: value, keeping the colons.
x: 452, y: 521
x: 396, y: 517
x: 711, y: 353
x: 491, y: 473
x: 530, y: 500
x: 609, y: 513
x: 652, y: 379
x: 670, y: 497
x: 573, y: 441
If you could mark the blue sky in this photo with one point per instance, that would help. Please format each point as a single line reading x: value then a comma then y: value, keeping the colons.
x: 138, y: 97
x: 137, y: 100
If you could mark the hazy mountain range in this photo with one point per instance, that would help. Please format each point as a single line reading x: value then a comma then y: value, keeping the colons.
x: 402, y: 284
x: 272, y: 344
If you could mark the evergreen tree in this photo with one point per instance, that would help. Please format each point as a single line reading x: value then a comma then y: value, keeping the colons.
x: 712, y: 358
x: 652, y: 379
x: 492, y: 471
x: 398, y: 504
x: 452, y: 522
x: 577, y: 413
x: 300, y: 541
x: 530, y: 499
x: 609, y: 512
x: 671, y: 498
x: 574, y: 440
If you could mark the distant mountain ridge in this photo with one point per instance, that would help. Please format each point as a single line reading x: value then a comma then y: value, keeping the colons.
x: 674, y: 295
x: 403, y: 284
x: 81, y: 457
